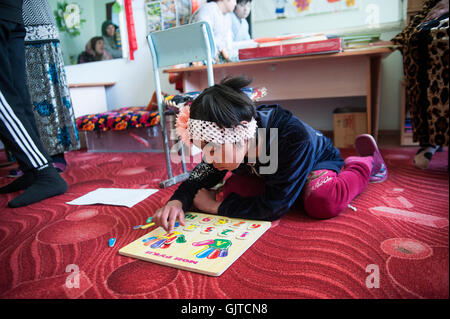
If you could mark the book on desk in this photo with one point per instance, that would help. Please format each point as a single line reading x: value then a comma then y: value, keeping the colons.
x: 291, y: 46
x: 297, y: 45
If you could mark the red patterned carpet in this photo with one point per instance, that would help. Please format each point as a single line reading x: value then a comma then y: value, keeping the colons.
x: 400, y: 228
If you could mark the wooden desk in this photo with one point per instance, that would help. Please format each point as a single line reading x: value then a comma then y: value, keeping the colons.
x: 349, y: 73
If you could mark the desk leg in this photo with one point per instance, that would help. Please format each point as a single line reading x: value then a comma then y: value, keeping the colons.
x: 193, y: 81
x: 373, y: 96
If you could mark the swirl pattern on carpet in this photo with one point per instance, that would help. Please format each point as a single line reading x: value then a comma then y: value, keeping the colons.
x: 400, y: 228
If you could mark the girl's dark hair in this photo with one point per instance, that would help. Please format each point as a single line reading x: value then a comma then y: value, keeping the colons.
x: 94, y: 41
x: 224, y: 104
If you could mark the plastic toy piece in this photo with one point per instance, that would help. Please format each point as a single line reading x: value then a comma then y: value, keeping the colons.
x: 149, y: 220
x: 204, y: 242
x: 226, y: 233
x: 181, y: 239
x: 191, y: 227
x: 206, y: 220
x: 254, y: 226
x: 244, y: 235
x: 147, y: 225
x: 162, y: 241
x: 190, y: 217
x: 238, y: 224
x: 208, y: 230
x: 221, y: 221
x: 215, y: 248
x: 149, y: 240
x: 111, y: 242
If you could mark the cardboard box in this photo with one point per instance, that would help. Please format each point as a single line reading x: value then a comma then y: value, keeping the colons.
x: 347, y: 126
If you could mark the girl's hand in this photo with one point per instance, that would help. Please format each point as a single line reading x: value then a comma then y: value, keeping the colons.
x: 167, y: 215
x: 205, y: 200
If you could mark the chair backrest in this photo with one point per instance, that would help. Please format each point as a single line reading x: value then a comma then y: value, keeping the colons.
x: 183, y: 44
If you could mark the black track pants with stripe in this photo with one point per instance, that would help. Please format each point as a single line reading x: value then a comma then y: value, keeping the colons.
x: 17, y: 124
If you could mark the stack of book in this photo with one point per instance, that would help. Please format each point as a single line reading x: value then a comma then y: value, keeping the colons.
x: 359, y: 42
x: 291, y: 45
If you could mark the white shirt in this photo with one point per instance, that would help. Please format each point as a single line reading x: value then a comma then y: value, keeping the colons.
x: 219, y: 23
x: 240, y: 28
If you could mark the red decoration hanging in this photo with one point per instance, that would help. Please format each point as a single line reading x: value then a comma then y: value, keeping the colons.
x: 132, y: 43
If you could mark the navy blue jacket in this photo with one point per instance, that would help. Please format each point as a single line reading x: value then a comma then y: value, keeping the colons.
x: 301, y: 149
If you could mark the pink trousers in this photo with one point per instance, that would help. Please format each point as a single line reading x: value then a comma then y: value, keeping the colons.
x: 324, y: 195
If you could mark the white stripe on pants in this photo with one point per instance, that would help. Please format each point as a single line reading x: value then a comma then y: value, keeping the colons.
x: 20, y: 134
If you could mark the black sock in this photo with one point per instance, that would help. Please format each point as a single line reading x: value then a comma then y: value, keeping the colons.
x: 19, y: 184
x: 47, y: 183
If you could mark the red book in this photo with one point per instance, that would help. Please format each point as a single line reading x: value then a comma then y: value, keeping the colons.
x: 260, y: 52
x: 303, y: 48
x: 323, y: 46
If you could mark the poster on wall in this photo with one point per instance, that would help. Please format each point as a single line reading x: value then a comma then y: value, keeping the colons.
x: 165, y: 14
x: 282, y: 9
x: 154, y: 18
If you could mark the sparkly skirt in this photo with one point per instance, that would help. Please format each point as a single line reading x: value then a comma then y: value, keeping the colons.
x: 50, y: 96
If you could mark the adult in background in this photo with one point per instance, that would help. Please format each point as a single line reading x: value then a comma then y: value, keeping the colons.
x: 217, y: 14
x: 94, y: 51
x: 18, y: 129
x: 424, y: 46
x: 111, y: 37
x: 47, y: 84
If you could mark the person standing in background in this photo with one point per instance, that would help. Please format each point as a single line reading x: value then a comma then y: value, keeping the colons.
x: 111, y: 38
x: 18, y: 131
x: 47, y: 83
x: 217, y: 14
x: 239, y: 23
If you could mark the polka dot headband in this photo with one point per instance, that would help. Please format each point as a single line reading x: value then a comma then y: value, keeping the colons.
x: 198, y: 130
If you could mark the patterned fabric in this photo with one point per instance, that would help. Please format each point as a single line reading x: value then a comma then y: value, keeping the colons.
x: 207, y: 131
x: 50, y: 97
x: 176, y: 101
x: 46, y: 79
x: 37, y: 12
x: 118, y: 120
x: 127, y: 117
x: 46, y: 32
x: 425, y: 49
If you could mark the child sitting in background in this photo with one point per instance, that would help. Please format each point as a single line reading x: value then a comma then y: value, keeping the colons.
x: 94, y: 51
x: 223, y: 121
x: 239, y: 22
x: 216, y: 13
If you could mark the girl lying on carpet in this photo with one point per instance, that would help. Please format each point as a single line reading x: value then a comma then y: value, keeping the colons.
x: 303, y: 164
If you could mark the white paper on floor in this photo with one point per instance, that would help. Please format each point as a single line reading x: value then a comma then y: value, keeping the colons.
x: 114, y: 196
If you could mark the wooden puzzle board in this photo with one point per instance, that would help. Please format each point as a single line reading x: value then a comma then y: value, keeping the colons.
x: 207, y: 244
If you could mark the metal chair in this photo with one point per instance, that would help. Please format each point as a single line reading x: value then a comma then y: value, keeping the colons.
x: 183, y: 44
